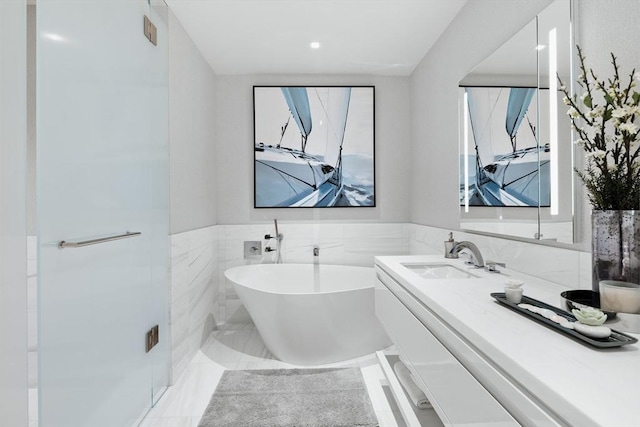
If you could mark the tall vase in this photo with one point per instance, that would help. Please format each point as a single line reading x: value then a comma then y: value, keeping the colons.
x: 614, y: 246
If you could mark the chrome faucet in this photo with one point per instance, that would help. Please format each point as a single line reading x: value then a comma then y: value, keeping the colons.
x: 492, y: 266
x: 278, y: 236
x: 476, y: 256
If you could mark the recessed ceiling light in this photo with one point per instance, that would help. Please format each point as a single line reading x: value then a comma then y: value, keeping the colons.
x: 315, y: 45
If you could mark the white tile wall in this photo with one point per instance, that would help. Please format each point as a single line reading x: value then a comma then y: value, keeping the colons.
x: 566, y: 267
x: 585, y: 270
x: 194, y: 294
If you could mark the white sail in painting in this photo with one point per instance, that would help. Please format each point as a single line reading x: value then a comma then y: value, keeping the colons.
x: 509, y: 161
x: 308, y: 175
x: 298, y: 102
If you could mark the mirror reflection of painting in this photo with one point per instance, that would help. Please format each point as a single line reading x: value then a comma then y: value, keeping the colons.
x: 502, y: 150
x: 314, y: 146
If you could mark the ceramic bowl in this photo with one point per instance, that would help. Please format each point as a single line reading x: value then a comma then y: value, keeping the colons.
x: 581, y: 298
x: 623, y: 297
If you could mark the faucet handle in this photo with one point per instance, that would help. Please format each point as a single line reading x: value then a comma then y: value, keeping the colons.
x: 492, y: 266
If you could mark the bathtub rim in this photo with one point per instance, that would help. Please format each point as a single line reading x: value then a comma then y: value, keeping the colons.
x: 336, y: 266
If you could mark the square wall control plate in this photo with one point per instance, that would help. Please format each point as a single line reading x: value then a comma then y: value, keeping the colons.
x: 252, y: 249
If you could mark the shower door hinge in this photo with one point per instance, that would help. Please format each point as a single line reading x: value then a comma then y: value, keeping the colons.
x: 152, y: 338
x: 150, y: 31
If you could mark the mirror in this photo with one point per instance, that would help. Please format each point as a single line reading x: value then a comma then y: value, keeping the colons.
x: 516, y: 173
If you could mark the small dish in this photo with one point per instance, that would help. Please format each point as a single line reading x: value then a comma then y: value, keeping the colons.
x: 581, y: 298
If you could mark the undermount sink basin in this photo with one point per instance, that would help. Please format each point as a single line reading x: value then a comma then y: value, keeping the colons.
x: 439, y: 271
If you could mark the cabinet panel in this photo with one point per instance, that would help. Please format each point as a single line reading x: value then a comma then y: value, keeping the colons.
x: 458, y: 398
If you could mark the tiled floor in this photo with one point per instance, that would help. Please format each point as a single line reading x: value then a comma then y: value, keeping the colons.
x: 239, y: 346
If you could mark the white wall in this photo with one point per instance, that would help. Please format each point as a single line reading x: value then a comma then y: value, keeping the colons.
x: 192, y: 152
x: 192, y: 136
x: 13, y: 251
x: 606, y: 26
x: 235, y: 150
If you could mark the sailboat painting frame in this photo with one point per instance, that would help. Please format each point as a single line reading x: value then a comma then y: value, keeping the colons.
x: 507, y: 165
x: 314, y: 146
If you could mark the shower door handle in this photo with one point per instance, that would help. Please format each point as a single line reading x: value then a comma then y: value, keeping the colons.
x: 64, y: 244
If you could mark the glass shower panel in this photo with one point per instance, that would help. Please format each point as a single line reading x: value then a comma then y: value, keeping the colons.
x: 158, y: 77
x: 102, y: 171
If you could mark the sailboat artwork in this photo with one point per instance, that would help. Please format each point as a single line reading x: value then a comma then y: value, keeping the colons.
x: 314, y: 146
x: 507, y: 165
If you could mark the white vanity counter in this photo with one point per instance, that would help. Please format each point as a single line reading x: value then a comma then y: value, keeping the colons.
x: 577, y: 384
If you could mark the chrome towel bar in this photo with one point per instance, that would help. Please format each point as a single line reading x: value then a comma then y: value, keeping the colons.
x: 63, y: 244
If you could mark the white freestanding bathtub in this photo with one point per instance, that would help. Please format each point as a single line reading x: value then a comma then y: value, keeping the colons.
x: 311, y: 314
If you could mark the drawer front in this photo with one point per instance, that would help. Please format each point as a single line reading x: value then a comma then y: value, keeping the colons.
x: 458, y: 398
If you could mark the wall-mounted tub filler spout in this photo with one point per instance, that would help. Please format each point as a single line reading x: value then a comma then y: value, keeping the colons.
x: 476, y: 256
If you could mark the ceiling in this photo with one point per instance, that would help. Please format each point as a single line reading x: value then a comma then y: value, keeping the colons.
x: 379, y: 37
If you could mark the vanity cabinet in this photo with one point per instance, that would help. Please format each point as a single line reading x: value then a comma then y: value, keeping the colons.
x: 456, y: 396
x: 447, y: 368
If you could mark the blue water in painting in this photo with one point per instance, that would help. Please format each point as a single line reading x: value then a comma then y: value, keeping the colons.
x: 357, y: 180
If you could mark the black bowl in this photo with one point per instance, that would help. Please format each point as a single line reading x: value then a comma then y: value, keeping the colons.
x: 581, y: 298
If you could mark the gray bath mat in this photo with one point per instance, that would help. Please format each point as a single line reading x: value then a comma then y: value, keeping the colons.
x: 290, y: 397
